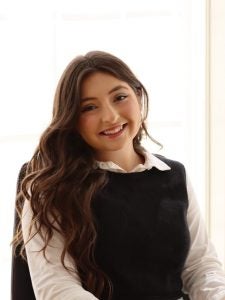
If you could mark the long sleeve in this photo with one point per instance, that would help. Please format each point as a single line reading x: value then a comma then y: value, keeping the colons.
x: 50, y: 279
x: 203, y: 276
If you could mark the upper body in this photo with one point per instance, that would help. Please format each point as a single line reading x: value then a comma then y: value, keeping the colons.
x: 99, y: 115
x: 202, y: 275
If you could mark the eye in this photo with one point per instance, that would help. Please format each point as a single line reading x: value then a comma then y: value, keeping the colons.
x: 121, y: 97
x: 89, y: 107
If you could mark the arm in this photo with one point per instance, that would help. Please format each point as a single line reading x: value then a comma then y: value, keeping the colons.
x: 202, y: 276
x: 50, y: 279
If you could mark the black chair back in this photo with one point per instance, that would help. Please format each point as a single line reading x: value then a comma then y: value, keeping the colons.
x: 21, y: 286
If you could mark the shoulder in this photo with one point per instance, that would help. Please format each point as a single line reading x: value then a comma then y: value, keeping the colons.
x: 177, y: 168
x: 170, y: 162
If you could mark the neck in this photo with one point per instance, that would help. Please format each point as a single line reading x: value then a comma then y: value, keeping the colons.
x: 126, y: 160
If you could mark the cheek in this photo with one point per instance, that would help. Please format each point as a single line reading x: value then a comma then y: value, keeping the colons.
x: 86, y: 123
x: 133, y: 111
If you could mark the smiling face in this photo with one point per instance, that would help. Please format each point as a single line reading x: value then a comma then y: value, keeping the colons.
x: 110, y: 115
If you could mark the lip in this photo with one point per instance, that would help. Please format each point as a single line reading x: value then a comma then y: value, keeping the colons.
x: 113, y: 135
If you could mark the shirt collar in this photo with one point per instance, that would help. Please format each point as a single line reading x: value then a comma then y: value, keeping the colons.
x: 150, y: 162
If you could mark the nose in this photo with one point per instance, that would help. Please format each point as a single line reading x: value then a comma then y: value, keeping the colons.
x: 109, y: 114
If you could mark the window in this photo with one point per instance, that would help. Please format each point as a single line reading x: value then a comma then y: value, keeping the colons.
x: 216, y: 123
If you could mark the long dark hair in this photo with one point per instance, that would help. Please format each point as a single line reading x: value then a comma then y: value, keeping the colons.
x: 61, y: 178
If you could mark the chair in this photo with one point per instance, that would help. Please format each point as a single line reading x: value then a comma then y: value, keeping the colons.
x: 21, y: 286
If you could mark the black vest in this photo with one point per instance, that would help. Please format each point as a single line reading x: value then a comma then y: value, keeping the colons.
x: 143, y: 237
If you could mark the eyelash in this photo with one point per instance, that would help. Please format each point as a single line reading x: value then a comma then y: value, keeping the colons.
x: 118, y: 98
x: 92, y: 107
x: 88, y: 108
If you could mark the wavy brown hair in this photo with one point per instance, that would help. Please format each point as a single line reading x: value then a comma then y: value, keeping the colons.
x: 61, y: 178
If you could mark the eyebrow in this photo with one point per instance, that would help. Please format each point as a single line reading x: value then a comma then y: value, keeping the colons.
x: 118, y: 87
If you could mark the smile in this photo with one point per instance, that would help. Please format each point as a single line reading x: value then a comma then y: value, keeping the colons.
x: 114, y: 131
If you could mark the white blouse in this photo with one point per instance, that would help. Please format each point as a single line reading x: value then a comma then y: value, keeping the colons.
x: 203, y: 276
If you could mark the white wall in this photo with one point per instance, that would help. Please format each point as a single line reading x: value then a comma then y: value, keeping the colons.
x: 163, y: 41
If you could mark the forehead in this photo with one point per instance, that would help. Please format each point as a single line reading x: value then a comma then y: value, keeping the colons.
x: 100, y: 82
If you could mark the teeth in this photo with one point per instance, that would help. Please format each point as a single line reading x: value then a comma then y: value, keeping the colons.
x: 113, y: 131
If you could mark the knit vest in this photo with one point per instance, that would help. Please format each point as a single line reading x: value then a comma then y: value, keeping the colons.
x: 142, y: 232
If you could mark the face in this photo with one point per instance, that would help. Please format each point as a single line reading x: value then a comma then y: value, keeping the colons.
x: 110, y: 114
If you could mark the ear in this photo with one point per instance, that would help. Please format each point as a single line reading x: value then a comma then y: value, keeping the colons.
x: 139, y: 92
x: 139, y: 95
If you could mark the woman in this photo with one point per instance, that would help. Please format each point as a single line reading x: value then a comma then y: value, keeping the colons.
x: 102, y: 217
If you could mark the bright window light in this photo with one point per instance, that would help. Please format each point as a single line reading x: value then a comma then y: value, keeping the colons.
x: 162, y: 41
